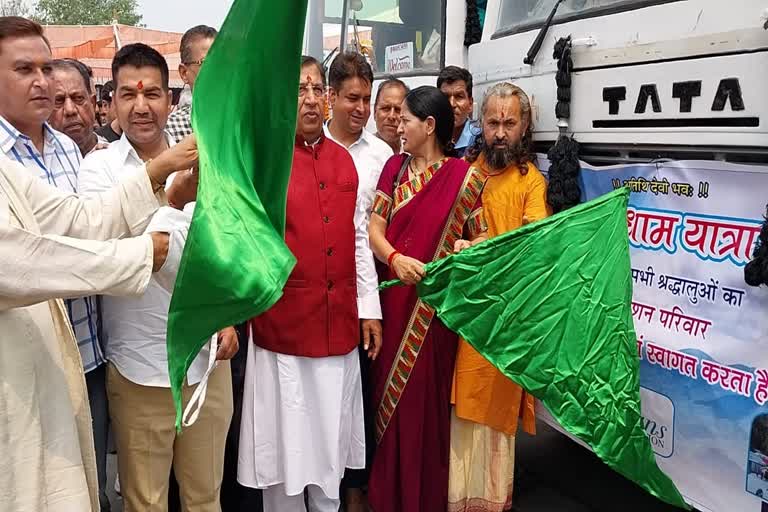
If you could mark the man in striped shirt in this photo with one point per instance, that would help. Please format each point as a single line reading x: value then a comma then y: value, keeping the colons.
x: 26, y: 137
x: 193, y: 49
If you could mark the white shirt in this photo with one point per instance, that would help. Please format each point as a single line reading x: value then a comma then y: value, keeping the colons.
x: 135, y: 328
x: 369, y: 154
x: 58, y: 166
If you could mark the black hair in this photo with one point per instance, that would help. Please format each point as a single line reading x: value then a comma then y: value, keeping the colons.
x: 349, y: 65
x: 16, y: 26
x: 105, y: 94
x: 386, y: 84
x: 85, y: 72
x: 563, y: 189
x: 192, y: 35
x: 307, y: 60
x: 427, y: 101
x: 451, y: 74
x: 140, y: 55
x: 756, y: 271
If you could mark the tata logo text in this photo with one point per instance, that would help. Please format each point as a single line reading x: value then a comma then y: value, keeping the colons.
x: 727, y: 96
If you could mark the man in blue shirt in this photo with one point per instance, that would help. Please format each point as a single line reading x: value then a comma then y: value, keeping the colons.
x: 456, y: 83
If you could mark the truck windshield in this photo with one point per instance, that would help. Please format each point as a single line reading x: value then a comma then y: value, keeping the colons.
x: 397, y: 36
x: 519, y: 15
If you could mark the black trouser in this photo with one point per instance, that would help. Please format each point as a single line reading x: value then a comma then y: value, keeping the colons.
x: 96, y: 381
x: 358, y: 478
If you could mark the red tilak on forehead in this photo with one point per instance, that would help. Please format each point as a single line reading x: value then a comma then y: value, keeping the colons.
x: 140, y: 85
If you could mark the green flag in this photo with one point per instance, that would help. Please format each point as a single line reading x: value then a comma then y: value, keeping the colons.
x: 550, y: 306
x: 235, y: 262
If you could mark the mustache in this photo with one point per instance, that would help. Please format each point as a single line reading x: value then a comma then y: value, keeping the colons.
x: 141, y: 117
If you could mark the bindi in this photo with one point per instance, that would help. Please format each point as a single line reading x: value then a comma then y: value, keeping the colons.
x: 140, y: 85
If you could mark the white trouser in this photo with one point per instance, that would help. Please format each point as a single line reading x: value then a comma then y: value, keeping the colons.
x: 275, y: 500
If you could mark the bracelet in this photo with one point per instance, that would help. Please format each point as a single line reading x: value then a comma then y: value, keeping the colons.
x: 392, y: 257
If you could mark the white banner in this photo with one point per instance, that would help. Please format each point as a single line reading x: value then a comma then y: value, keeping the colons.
x: 702, y: 332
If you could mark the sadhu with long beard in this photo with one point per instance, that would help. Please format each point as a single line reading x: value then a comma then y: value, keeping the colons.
x: 487, y: 405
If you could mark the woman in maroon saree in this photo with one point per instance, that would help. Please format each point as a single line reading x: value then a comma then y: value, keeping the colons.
x: 426, y: 205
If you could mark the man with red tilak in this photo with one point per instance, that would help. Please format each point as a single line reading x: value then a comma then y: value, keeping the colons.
x: 302, y: 419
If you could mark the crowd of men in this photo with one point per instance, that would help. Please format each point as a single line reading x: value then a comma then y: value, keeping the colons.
x: 293, y: 416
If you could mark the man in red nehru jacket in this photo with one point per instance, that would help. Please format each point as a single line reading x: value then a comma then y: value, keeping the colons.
x: 302, y: 419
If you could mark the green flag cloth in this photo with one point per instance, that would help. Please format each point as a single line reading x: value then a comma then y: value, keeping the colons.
x: 235, y: 262
x: 549, y: 305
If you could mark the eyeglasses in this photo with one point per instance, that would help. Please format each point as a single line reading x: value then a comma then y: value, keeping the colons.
x: 194, y: 63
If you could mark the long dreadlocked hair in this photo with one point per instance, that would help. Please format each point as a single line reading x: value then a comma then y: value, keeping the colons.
x: 756, y: 271
x: 563, y: 190
x: 507, y: 90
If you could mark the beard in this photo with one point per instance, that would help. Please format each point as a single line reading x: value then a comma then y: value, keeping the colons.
x: 499, y: 158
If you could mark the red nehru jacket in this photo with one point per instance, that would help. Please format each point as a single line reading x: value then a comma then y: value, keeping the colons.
x: 317, y: 314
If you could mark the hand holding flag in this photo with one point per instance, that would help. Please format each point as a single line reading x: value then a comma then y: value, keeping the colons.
x: 549, y: 305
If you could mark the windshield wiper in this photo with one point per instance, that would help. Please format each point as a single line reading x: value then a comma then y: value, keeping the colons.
x: 531, y: 56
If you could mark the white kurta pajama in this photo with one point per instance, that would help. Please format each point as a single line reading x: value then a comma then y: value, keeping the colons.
x: 302, y: 422
x: 47, y: 462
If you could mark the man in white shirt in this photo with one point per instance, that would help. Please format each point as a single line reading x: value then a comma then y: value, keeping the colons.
x: 351, y: 79
x: 138, y: 386
x: 387, y: 109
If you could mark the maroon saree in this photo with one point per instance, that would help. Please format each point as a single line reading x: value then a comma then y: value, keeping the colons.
x: 413, y: 374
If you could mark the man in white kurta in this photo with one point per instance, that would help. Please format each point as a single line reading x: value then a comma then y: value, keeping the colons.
x: 48, y: 252
x: 302, y: 423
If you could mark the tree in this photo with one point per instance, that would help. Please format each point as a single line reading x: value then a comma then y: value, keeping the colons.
x: 87, y: 12
x: 13, y: 8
